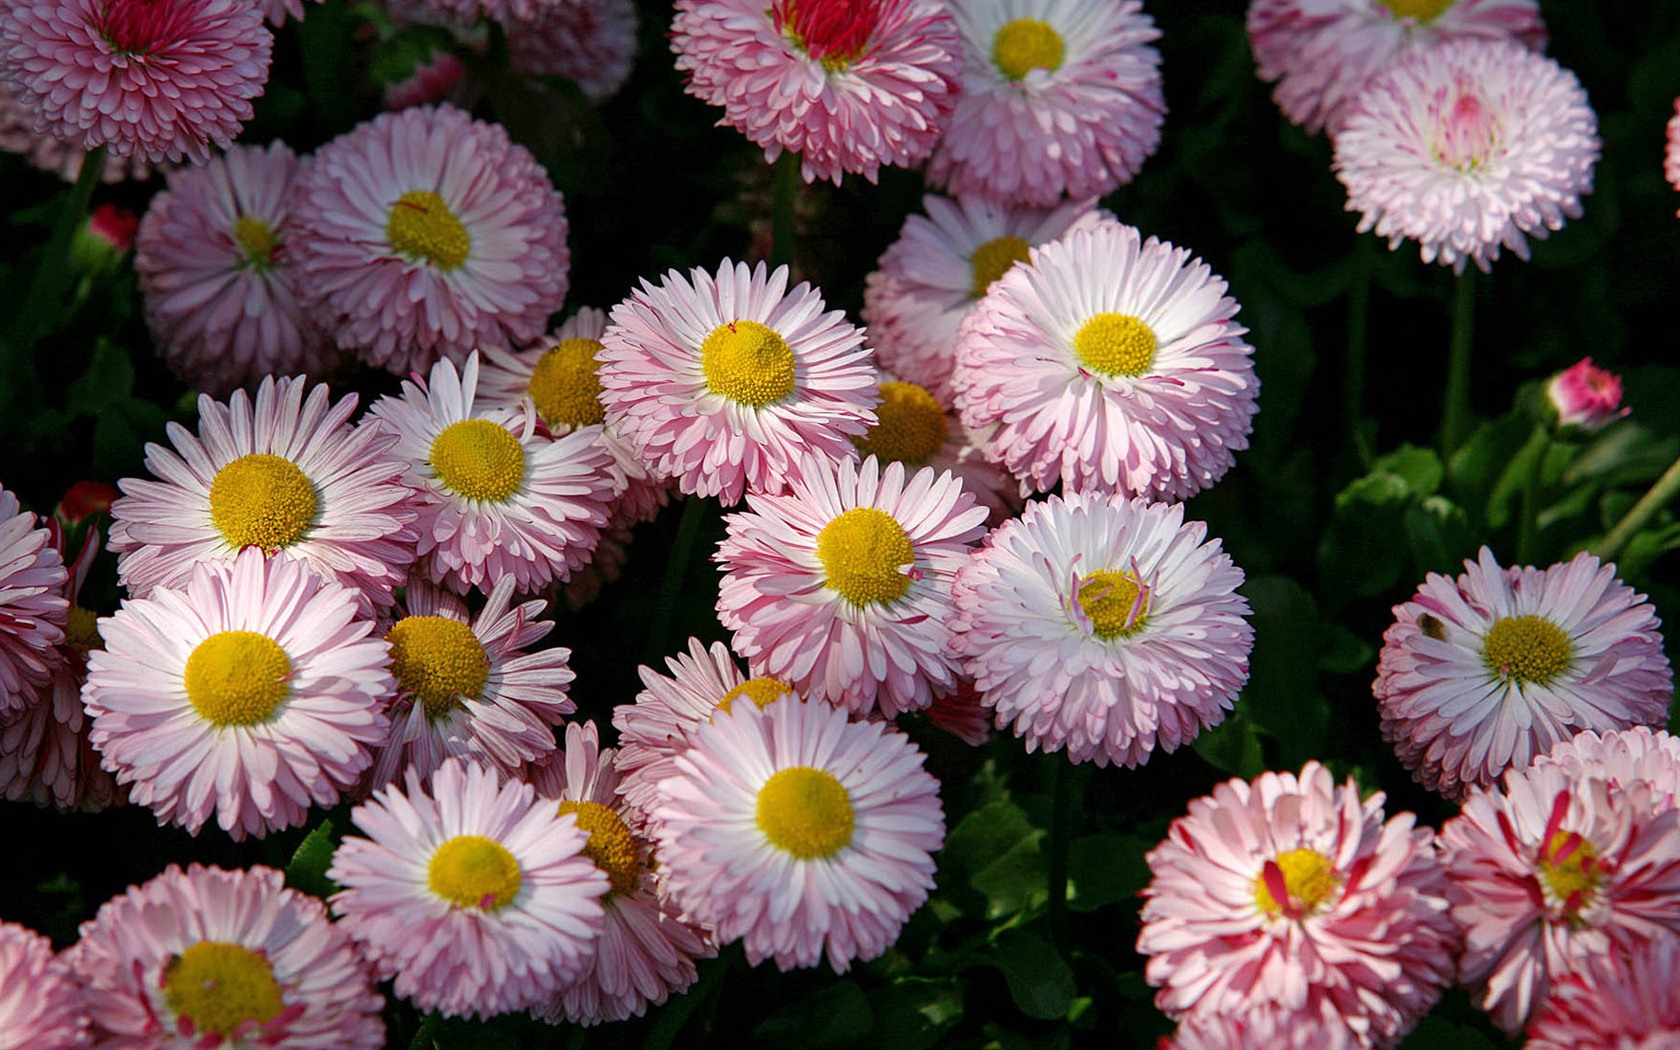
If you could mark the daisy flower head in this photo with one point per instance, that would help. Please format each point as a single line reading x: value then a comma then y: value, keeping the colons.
x: 1291, y: 893
x: 1057, y: 100
x: 478, y: 898
x: 646, y: 950
x: 54, y: 155
x: 1103, y: 625
x: 281, y: 472
x: 32, y: 604
x: 799, y: 833
x: 1264, y: 1024
x: 1630, y: 1002
x: 913, y: 427
x: 215, y: 277
x: 494, y: 497
x: 848, y: 85
x: 589, y: 42
x: 1468, y: 148
x: 727, y: 381
x: 1641, y: 764
x: 213, y: 958
x: 423, y: 233
x: 1551, y: 870
x: 1321, y: 53
x: 154, y: 79
x: 1481, y: 673
x: 252, y: 693
x: 40, y: 1004
x: 842, y: 587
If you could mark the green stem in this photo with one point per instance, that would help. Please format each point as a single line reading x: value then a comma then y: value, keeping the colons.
x: 45, y: 300
x: 784, y: 208
x: 1061, y: 832
x: 1539, y: 445
x: 1358, y: 319
x: 1617, y: 538
x: 670, y: 588
x: 1455, y: 422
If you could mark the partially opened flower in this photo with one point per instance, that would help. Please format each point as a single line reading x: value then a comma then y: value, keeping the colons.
x: 1468, y: 148
x: 1629, y: 1001
x: 799, y: 833
x: 32, y: 604
x: 589, y: 42
x: 40, y: 1004
x: 1294, y: 894
x: 1481, y: 673
x: 1586, y: 397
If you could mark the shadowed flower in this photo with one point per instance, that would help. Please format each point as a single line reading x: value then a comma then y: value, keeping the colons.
x: 32, y: 605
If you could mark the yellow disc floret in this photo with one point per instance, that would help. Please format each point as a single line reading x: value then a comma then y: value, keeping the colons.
x: 1527, y: 649
x: 472, y: 871
x: 478, y: 459
x: 994, y: 259
x: 220, y: 986
x: 749, y: 363
x: 910, y: 425
x: 1024, y: 45
x: 1115, y: 345
x: 762, y: 691
x: 566, y: 386
x: 1424, y: 11
x: 805, y: 812
x: 439, y: 660
x: 423, y: 228
x: 1309, y: 879
x: 1115, y: 603
x: 81, y: 629
x: 1570, y: 868
x: 611, y: 845
x: 237, y: 678
x: 262, y: 500
x: 257, y: 240
x: 864, y: 553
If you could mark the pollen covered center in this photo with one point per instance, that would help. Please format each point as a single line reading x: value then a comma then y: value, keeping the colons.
x: 1115, y: 345
x: 864, y: 553
x: 220, y: 986
x: 237, y: 678
x: 748, y: 363
x: 566, y: 386
x: 1424, y: 11
x: 1525, y: 649
x: 439, y: 660
x: 1115, y: 602
x: 1570, y: 868
x: 762, y: 691
x: 472, y: 871
x: 994, y: 259
x: 262, y: 500
x: 422, y: 227
x: 1298, y: 883
x: 81, y: 629
x: 478, y: 459
x: 256, y: 239
x: 1026, y: 44
x: 910, y: 425
x: 805, y: 812
x: 611, y: 846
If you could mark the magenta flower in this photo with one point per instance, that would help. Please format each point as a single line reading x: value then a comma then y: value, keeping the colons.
x: 1586, y: 397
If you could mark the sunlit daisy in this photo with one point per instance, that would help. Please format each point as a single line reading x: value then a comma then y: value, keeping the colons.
x: 32, y: 605
x: 1630, y: 1002
x: 40, y: 1004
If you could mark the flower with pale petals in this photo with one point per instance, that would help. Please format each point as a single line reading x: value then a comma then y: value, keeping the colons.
x: 40, y: 1003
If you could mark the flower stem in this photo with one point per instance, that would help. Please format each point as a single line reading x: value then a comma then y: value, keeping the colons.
x: 44, y: 303
x: 1455, y: 422
x: 676, y: 568
x: 1539, y: 445
x: 1640, y: 515
x: 784, y: 208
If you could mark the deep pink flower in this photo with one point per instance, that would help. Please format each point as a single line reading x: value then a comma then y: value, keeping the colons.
x: 1586, y: 397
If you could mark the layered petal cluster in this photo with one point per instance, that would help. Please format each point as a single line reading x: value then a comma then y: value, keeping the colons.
x: 1641, y: 764
x: 40, y: 1003
x: 32, y: 604
x: 1624, y: 1001
x: 52, y: 154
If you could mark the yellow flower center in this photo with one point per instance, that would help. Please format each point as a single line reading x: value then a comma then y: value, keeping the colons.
x: 81, y: 629
x: 1425, y: 11
x: 994, y: 259
x: 565, y: 385
x: 1524, y: 649
x: 423, y: 228
x: 864, y: 552
x: 1570, y: 869
x: 611, y: 845
x: 439, y: 660
x: 805, y: 812
x: 478, y: 459
x: 910, y: 425
x: 1115, y: 602
x: 237, y: 678
x: 1115, y: 345
x: 474, y: 872
x: 219, y: 986
x: 262, y: 500
x: 1309, y: 881
x: 257, y: 239
x: 1024, y: 45
x: 761, y: 691
x: 748, y: 363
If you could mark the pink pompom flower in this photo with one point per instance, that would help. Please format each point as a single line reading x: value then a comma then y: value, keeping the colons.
x: 32, y: 604
x: 589, y: 42
x: 52, y: 154
x: 1586, y: 397
x: 40, y: 1003
x: 1641, y: 764
x: 1626, y: 1001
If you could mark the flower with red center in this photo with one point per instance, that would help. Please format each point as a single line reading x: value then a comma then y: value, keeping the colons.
x: 154, y: 79
x: 1630, y: 1002
x: 1586, y: 397
x: 40, y: 1004
x: 32, y: 605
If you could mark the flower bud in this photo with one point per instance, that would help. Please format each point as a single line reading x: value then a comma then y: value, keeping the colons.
x: 1586, y: 397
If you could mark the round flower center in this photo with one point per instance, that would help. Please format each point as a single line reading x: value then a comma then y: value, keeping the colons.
x: 1424, y: 11
x: 439, y: 660
x: 237, y: 678
x: 1526, y: 649
x: 423, y: 228
x: 864, y: 552
x: 474, y: 872
x: 1298, y: 883
x: 257, y: 239
x: 81, y: 629
x: 1469, y: 133
x: 262, y: 500
x: 834, y: 32
x: 1115, y: 602
x: 565, y: 385
x: 136, y: 27
x: 1024, y: 45
x: 1570, y: 869
x: 611, y: 845
x: 1115, y: 345
x: 910, y: 425
x: 478, y: 459
x: 805, y: 812
x: 761, y: 691
x: 994, y: 259
x: 748, y: 363
x: 219, y: 986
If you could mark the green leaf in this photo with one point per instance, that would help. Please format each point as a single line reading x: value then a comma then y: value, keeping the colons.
x: 1105, y: 868
x: 1232, y: 746
x: 1438, y: 1033
x: 997, y: 849
x: 1282, y: 697
x: 1440, y: 535
x: 1040, y: 982
x: 1477, y: 466
x: 307, y: 870
x: 107, y: 382
x: 913, y: 1013
x: 831, y: 1017
x: 1343, y: 651
x: 1419, y: 468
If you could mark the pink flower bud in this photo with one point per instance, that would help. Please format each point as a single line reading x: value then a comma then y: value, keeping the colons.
x: 114, y: 225
x: 1586, y: 397
x: 83, y: 499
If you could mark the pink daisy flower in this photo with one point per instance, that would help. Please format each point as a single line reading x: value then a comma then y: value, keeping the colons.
x: 646, y: 951
x: 467, y: 687
x: 1103, y: 625
x: 1467, y: 148
x: 208, y: 957
x: 942, y: 263
x: 32, y: 605
x: 478, y: 899
x: 1629, y: 1002
x: 1322, y: 53
x: 1291, y: 893
x: 438, y: 79
x: 1057, y: 100
x: 848, y: 85
x: 1671, y: 153
x: 1481, y: 673
x: 40, y: 1005
x: 1550, y: 872
x: 913, y: 427
x: 422, y: 234
x: 215, y: 279
x: 1266, y: 1025
x: 589, y: 42
x: 252, y: 693
x: 725, y: 383
x: 842, y: 587
x: 280, y: 472
x: 494, y: 497
x: 1110, y: 363
x: 54, y: 155
x: 657, y: 726
x: 799, y: 833
x: 1641, y: 764
x: 156, y: 79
